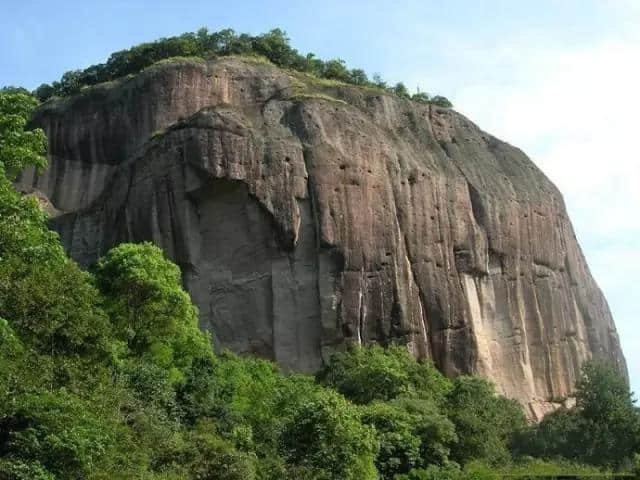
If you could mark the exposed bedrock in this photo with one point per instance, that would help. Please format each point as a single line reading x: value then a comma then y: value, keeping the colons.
x: 303, y: 223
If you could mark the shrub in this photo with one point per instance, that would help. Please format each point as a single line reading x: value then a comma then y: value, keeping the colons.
x: 375, y: 373
x: 436, y: 432
x: 412, y: 434
x: 336, y: 70
x: 485, y: 422
x: 602, y: 429
x: 58, y: 433
x: 401, y: 90
x: 322, y: 432
x: 19, y: 147
x: 441, y: 101
x: 399, y: 443
x: 433, y: 472
x: 149, y: 308
x: 217, y: 458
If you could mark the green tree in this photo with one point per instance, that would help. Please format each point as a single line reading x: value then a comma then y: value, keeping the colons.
x: 322, y: 432
x: 61, y: 432
x: 53, y: 315
x: 212, y: 457
x: 558, y: 435
x: 441, y: 101
x: 19, y: 147
x: 357, y: 76
x: 412, y: 433
x: 434, y: 472
x: 296, y: 428
x: 401, y: 90
x: 421, y: 97
x: 485, y: 422
x: 309, y: 64
x: 399, y: 445
x: 336, y: 69
x: 379, y: 82
x: 70, y: 83
x: 75, y: 401
x: 436, y: 431
x: 602, y: 429
x: 149, y: 308
x: 275, y: 46
x: 364, y: 374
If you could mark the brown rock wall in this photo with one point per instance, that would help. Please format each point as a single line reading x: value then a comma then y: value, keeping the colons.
x: 304, y: 223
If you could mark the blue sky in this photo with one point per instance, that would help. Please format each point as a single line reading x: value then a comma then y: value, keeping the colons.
x: 559, y: 79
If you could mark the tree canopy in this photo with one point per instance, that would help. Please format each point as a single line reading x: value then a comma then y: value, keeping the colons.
x: 602, y: 429
x: 273, y: 45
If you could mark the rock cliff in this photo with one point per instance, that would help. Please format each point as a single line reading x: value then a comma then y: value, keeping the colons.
x: 307, y: 215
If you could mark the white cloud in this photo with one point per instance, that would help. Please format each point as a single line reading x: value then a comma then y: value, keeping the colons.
x: 577, y: 119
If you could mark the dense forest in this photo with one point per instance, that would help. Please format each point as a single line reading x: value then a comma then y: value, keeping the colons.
x: 106, y: 375
x: 273, y: 46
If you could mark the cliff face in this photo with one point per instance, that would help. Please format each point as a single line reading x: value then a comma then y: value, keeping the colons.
x: 307, y: 215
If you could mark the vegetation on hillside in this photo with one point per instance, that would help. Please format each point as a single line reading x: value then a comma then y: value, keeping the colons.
x: 273, y: 45
x: 106, y: 375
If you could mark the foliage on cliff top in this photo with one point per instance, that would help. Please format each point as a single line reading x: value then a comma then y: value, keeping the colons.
x: 273, y: 46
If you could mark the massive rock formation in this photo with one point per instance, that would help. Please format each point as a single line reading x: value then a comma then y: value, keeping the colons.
x: 306, y: 215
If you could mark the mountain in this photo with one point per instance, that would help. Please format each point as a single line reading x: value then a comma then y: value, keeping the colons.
x: 307, y: 214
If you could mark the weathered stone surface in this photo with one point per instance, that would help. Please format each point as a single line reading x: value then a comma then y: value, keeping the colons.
x: 303, y: 223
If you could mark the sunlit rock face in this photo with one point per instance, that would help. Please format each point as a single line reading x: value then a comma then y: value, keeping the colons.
x: 304, y: 223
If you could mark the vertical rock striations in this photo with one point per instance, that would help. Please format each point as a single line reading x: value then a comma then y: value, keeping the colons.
x: 306, y: 216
